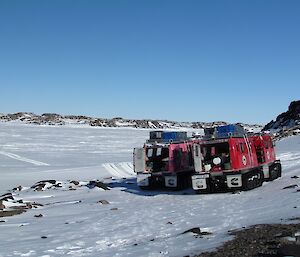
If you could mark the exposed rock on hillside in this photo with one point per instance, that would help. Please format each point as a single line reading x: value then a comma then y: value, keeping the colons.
x: 286, y: 123
x: 57, y: 119
x: 286, y: 120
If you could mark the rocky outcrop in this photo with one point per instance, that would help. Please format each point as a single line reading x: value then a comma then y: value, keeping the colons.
x: 287, y: 123
x: 286, y: 120
x: 57, y: 119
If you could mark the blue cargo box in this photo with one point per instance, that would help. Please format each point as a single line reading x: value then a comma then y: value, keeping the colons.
x: 229, y: 130
x: 174, y: 136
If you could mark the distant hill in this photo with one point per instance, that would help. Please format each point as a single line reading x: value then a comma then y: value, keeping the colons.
x: 57, y: 119
x: 286, y: 123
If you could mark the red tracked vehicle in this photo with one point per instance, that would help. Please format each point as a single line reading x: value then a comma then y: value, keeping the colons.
x: 165, y: 161
x: 231, y: 159
x: 226, y: 158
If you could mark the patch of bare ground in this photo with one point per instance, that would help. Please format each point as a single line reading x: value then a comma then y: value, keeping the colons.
x: 264, y: 240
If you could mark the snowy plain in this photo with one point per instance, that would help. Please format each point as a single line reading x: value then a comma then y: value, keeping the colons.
x: 135, y: 222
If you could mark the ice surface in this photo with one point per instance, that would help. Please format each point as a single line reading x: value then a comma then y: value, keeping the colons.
x: 29, y: 153
x: 135, y: 222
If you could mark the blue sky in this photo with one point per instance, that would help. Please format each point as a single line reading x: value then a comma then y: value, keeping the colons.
x: 177, y: 60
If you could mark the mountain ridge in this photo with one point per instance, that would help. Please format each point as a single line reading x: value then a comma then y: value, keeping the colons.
x: 57, y: 119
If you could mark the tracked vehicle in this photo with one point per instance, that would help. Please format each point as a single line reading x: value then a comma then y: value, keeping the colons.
x: 233, y: 159
x: 165, y: 161
x: 226, y: 158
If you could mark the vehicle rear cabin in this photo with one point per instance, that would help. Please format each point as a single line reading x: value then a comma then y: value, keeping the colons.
x: 165, y: 161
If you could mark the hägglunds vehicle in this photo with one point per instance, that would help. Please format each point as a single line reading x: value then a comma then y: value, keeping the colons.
x: 233, y: 159
x: 226, y: 158
x: 166, y: 160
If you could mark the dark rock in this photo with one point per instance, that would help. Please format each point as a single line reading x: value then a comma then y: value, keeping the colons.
x: 195, y: 230
x: 295, y: 177
x: 35, y: 205
x: 205, y: 233
x: 291, y: 186
x: 103, y: 202
x: 2, y: 206
x: 28, y: 206
x: 9, y: 213
x: 169, y: 223
x: 51, y: 181
x: 114, y: 209
x: 76, y: 183
x: 44, y: 237
x: 99, y: 184
x: 38, y: 216
x: 19, y: 188
x: 2, y: 221
x: 6, y: 197
x: 39, y: 188
x: 38, y: 185
x: 57, y: 185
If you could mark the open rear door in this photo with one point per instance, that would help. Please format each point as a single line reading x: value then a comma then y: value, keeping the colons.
x: 197, y: 157
x: 139, y: 160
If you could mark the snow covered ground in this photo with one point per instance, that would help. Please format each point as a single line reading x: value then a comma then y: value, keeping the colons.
x: 134, y: 222
x: 29, y: 153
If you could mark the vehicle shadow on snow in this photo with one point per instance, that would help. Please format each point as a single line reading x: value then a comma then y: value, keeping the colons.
x: 129, y: 185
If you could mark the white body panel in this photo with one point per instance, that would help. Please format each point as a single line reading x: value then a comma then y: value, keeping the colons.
x: 234, y: 180
x: 197, y: 157
x: 199, y: 181
x: 139, y: 160
x: 266, y: 171
x: 171, y: 181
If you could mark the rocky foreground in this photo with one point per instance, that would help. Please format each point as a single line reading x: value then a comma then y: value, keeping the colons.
x: 11, y: 204
x: 264, y: 240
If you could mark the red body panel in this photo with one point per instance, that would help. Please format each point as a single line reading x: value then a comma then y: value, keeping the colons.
x: 246, y: 152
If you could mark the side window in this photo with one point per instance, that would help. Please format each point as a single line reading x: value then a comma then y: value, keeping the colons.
x: 242, y: 147
x: 204, y: 151
x: 177, y: 158
x: 150, y: 152
x: 158, y: 151
x: 213, y: 151
x: 266, y: 144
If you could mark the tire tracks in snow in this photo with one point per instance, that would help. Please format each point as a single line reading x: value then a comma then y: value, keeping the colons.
x: 23, y: 159
x: 120, y: 170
